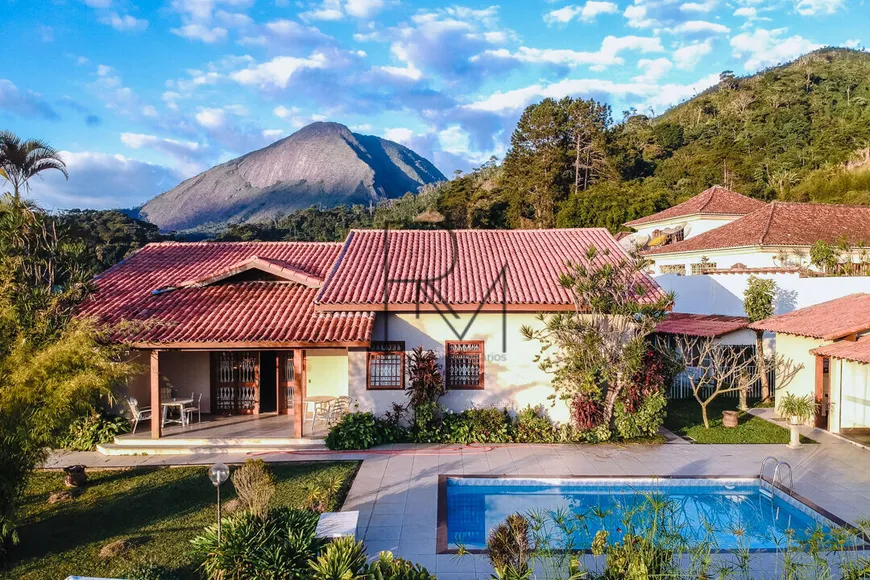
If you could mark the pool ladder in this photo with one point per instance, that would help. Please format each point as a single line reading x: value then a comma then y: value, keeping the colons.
x: 777, y: 477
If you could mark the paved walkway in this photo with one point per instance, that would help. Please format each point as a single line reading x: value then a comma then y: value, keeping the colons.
x: 396, y: 491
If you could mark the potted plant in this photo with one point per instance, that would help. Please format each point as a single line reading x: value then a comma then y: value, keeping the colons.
x: 798, y: 410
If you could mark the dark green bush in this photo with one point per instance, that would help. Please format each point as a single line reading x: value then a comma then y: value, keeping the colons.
x: 277, y: 547
x: 359, y: 431
x: 532, y: 425
x: 487, y: 425
x: 387, y: 567
x: 427, y: 427
x: 88, y: 431
x: 509, y: 548
x: 643, y: 422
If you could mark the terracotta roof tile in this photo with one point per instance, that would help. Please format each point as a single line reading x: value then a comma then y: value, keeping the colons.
x: 147, y: 290
x: 782, y: 224
x: 532, y: 259
x: 706, y: 325
x: 714, y: 201
x: 853, y: 350
x: 828, y: 321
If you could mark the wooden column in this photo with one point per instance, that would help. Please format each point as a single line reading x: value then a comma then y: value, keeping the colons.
x: 156, y: 408
x: 298, y: 392
x: 818, y: 420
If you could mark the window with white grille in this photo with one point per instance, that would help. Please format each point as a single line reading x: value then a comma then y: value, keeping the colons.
x: 464, y: 364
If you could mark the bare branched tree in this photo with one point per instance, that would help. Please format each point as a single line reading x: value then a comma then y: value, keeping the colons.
x: 711, y: 369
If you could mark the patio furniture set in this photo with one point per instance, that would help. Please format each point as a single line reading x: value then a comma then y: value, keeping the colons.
x: 184, y: 408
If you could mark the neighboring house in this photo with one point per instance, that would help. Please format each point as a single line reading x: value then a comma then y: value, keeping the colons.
x: 725, y: 331
x: 710, y: 209
x: 831, y: 341
x: 260, y: 327
x: 777, y: 234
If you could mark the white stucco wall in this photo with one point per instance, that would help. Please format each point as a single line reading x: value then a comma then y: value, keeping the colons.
x: 692, y: 225
x: 723, y: 293
x: 326, y: 372
x: 511, y: 377
x: 751, y: 258
x: 850, y: 395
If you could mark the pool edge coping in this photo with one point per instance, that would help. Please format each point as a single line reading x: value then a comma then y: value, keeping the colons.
x: 442, y: 545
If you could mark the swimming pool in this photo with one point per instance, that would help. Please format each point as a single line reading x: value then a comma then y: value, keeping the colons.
x: 728, y: 514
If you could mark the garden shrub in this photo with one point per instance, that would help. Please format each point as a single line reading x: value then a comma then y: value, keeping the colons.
x: 487, y: 425
x: 652, y: 377
x: 93, y: 429
x: 644, y: 421
x: 359, y: 431
x: 255, y: 486
x: 509, y: 549
x: 388, y: 567
x: 149, y: 571
x: 278, y: 546
x: 586, y: 413
x: 427, y: 427
x: 637, y: 558
x: 343, y: 559
x: 532, y: 425
x: 425, y: 382
x: 321, y: 494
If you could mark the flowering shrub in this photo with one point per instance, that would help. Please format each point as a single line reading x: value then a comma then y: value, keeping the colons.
x: 651, y: 378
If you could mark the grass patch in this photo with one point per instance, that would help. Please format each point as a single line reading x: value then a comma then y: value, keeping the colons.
x: 684, y: 419
x: 158, y: 510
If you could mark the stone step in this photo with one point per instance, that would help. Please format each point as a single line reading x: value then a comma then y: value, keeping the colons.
x: 176, y: 441
x: 206, y: 448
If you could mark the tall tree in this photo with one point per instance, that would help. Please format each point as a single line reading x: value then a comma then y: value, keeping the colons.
x: 597, y: 348
x: 587, y: 124
x: 20, y: 160
x: 758, y: 301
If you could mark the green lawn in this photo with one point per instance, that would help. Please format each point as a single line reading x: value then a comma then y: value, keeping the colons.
x: 160, y: 509
x: 684, y: 418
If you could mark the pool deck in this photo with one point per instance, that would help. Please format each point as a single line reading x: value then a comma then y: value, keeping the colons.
x: 396, y: 489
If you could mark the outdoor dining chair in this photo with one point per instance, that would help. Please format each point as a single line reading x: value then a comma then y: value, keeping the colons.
x: 138, y: 413
x: 194, y: 407
x: 339, y: 408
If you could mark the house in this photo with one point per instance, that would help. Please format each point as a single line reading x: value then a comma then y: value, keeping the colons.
x: 710, y: 209
x: 262, y: 328
x: 725, y: 331
x: 719, y: 230
x: 831, y: 343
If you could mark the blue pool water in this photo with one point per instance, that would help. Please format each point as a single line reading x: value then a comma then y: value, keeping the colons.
x: 730, y: 514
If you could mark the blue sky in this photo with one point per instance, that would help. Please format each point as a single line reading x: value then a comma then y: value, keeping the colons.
x: 142, y: 94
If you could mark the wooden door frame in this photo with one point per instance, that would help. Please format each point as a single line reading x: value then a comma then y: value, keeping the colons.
x: 822, y: 421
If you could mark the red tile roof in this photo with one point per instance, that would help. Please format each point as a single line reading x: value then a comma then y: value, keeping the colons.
x: 853, y: 350
x: 706, y: 325
x: 533, y: 261
x: 782, y: 224
x: 714, y: 201
x: 828, y: 321
x: 160, y: 290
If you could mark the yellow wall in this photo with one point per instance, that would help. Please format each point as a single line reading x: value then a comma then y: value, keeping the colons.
x: 797, y: 348
x: 511, y: 377
x: 326, y: 372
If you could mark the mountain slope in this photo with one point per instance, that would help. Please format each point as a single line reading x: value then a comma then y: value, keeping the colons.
x: 321, y: 164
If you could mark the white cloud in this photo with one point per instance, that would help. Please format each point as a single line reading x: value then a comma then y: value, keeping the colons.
x: 401, y: 135
x: 454, y: 139
x: 187, y: 155
x: 277, y: 72
x: 700, y: 27
x: 273, y: 133
x: 587, y: 13
x: 211, y: 118
x: 687, y: 57
x: 763, y: 48
x: 653, y: 69
x: 746, y: 12
x: 283, y: 112
x: 607, y: 55
x: 365, y: 9
x: 818, y: 7
x: 202, y: 32
x: 643, y: 94
x: 328, y: 10
x: 123, y: 23
x: 705, y: 6
x: 102, y: 181
x: 852, y: 43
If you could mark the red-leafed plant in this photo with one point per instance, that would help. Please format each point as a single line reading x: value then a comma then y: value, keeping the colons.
x: 647, y: 381
x: 586, y: 413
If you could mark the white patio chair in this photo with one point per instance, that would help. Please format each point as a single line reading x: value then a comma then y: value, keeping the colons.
x: 194, y: 407
x: 338, y: 409
x: 138, y: 413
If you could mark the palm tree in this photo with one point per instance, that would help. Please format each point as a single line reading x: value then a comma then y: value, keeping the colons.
x: 20, y: 160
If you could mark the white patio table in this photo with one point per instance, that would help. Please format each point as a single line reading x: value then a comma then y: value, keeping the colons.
x: 180, y: 403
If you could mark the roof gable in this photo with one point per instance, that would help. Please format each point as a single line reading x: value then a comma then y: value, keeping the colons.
x: 782, y: 224
x: 831, y: 320
x: 716, y: 200
x: 271, y: 267
x: 466, y: 269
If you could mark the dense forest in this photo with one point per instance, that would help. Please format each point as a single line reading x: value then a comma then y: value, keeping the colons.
x: 800, y: 132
